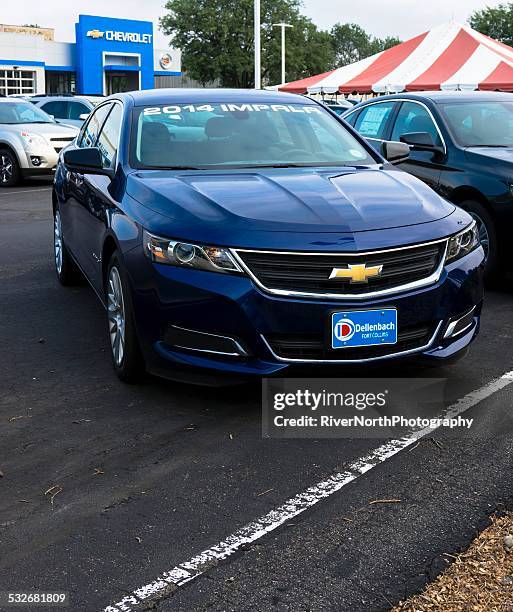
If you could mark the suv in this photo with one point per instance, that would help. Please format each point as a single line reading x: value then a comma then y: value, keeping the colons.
x: 30, y: 140
x: 72, y: 110
x: 461, y: 145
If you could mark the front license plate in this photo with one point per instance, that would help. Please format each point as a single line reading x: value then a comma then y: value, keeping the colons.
x: 363, y: 328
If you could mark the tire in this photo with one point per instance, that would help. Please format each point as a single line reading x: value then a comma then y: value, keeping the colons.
x: 65, y: 268
x: 487, y: 236
x: 10, y: 173
x: 127, y: 358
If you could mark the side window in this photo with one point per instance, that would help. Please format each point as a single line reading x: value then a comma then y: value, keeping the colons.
x: 413, y: 117
x: 109, y: 136
x: 58, y: 108
x: 92, y: 127
x: 351, y: 118
x: 76, y: 109
x: 372, y: 120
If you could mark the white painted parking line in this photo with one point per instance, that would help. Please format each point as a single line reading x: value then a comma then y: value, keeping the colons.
x: 16, y: 192
x: 191, y: 569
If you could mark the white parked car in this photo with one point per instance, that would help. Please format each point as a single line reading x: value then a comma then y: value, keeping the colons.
x: 68, y: 109
x: 30, y: 141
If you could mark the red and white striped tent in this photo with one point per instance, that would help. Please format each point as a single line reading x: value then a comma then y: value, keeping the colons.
x: 451, y: 56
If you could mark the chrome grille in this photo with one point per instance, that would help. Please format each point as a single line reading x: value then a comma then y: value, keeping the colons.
x: 308, y: 273
x: 314, y: 347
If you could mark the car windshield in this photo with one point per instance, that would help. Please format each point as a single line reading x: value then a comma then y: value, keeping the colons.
x: 480, y: 124
x: 242, y: 135
x: 22, y: 112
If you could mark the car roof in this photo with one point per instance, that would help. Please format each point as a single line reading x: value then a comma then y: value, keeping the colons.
x: 12, y: 100
x: 50, y: 98
x: 438, y: 97
x: 190, y: 95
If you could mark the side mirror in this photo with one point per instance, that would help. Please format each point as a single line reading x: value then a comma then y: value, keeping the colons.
x: 83, y: 116
x: 421, y: 141
x: 86, y: 161
x: 395, y: 152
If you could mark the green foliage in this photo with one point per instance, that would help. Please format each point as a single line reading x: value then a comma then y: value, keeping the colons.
x: 351, y: 43
x: 382, y: 44
x: 495, y: 22
x: 216, y: 39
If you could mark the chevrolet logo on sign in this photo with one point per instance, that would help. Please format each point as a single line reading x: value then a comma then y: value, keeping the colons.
x: 357, y: 273
x: 95, y: 34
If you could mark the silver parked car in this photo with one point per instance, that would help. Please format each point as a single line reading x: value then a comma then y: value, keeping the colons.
x: 30, y: 141
x: 68, y: 109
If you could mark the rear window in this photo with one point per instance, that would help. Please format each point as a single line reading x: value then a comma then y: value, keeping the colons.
x: 242, y: 135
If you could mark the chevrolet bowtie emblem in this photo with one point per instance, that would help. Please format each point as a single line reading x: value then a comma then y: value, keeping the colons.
x: 357, y: 273
x: 95, y: 34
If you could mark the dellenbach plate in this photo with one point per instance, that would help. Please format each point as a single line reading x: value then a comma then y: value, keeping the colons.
x: 363, y: 328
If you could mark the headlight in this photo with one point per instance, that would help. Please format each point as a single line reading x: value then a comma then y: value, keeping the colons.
x: 463, y: 243
x: 32, y: 141
x: 187, y: 255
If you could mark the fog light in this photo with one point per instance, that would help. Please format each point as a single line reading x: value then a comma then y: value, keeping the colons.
x: 460, y: 325
x: 36, y: 160
x: 203, y: 342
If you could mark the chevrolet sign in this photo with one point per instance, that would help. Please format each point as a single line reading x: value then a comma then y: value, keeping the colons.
x: 132, y: 37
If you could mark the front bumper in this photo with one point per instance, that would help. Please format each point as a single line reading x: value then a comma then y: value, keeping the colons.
x: 270, y: 329
x: 39, y: 161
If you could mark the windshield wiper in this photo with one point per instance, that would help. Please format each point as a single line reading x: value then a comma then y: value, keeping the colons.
x: 173, y: 168
x: 305, y: 165
x: 492, y: 146
x: 300, y: 165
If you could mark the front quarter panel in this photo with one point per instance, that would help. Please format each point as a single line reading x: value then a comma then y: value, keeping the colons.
x: 13, y: 141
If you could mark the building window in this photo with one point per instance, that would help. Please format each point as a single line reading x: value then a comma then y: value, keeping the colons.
x: 60, y: 82
x: 17, y: 82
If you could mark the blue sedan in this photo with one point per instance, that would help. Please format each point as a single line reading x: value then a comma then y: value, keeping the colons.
x: 245, y: 233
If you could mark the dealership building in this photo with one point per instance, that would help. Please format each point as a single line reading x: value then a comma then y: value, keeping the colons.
x: 108, y: 56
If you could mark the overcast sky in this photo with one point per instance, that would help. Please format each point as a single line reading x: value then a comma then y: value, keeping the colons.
x: 403, y: 18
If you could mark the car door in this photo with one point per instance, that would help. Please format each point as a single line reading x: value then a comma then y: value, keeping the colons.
x: 372, y: 121
x: 74, y: 209
x: 99, y: 204
x: 414, y: 116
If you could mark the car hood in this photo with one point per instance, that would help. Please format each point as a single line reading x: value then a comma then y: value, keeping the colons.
x: 343, y: 200
x: 48, y: 130
x: 503, y: 154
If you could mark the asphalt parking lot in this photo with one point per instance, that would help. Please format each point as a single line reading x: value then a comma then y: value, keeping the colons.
x: 141, y: 479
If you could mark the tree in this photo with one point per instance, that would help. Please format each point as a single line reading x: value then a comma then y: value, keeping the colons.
x: 351, y: 43
x: 495, y: 22
x: 382, y: 44
x: 217, y: 40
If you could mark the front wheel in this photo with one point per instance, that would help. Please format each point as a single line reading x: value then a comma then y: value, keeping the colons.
x: 125, y: 352
x: 9, y: 169
x: 487, y: 237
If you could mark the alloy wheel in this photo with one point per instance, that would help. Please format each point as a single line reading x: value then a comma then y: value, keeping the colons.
x: 57, y: 241
x: 484, y: 236
x: 116, y: 315
x: 6, y: 168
